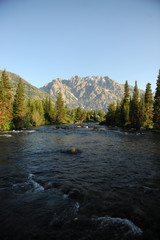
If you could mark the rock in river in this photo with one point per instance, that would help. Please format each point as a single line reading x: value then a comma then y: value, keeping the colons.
x: 71, y: 151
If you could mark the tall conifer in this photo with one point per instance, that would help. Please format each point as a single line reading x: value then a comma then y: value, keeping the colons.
x: 156, y: 116
x: 19, y: 106
x: 142, y: 111
x: 134, y: 108
x: 149, y: 106
x: 78, y: 113
x: 5, y: 102
x: 59, y: 110
x: 110, y: 117
x: 126, y: 105
x: 48, y: 110
x: 126, y: 92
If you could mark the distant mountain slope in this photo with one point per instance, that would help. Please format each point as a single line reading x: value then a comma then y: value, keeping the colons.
x: 93, y: 92
x: 30, y: 91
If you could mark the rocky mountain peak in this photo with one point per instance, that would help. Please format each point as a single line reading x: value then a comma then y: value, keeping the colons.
x: 91, y: 92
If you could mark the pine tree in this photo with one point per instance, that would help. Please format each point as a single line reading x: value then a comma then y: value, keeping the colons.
x: 110, y: 117
x: 142, y: 111
x: 134, y: 107
x: 59, y: 111
x: 118, y: 114
x: 19, y: 109
x: 37, y: 113
x: 83, y: 117
x: 68, y: 115
x: 156, y: 113
x: 126, y: 106
x: 28, y: 115
x: 78, y: 114
x: 126, y: 92
x: 48, y: 110
x: 73, y: 115
x: 6, y: 110
x: 2, y: 105
x: 149, y: 106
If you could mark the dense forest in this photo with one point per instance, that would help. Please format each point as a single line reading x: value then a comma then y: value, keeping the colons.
x: 136, y: 111
x: 17, y: 112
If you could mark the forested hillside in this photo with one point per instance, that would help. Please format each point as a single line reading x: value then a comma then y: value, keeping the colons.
x: 30, y: 91
x: 17, y: 111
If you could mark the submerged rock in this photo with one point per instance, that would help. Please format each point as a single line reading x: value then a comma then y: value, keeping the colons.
x: 71, y: 151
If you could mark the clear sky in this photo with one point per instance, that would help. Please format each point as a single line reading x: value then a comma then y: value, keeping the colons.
x: 44, y: 39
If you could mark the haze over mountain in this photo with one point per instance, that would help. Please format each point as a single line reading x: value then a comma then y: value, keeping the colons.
x: 92, y: 92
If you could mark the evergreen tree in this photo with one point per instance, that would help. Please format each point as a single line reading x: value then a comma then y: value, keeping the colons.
x: 73, y: 115
x: 19, y: 110
x: 149, y: 106
x: 6, y: 109
x: 118, y: 114
x: 134, y: 108
x: 78, y: 114
x: 88, y: 117
x: 126, y: 106
x: 39, y: 107
x: 101, y: 115
x: 2, y: 105
x: 37, y: 113
x: 142, y: 111
x: 156, y: 113
x: 28, y: 115
x: 59, y: 110
x: 83, y: 117
x: 126, y: 93
x: 110, y: 117
x: 48, y: 110
x: 68, y: 115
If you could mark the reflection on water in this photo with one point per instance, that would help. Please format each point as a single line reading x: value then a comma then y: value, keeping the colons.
x: 79, y: 183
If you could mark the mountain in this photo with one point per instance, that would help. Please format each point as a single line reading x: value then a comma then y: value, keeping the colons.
x: 30, y: 91
x: 92, y: 92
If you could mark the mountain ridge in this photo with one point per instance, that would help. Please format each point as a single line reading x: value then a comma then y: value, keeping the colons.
x: 91, y: 92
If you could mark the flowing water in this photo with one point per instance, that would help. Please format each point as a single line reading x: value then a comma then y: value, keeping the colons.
x: 79, y: 183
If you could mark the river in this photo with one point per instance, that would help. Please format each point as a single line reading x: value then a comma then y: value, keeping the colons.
x: 81, y: 183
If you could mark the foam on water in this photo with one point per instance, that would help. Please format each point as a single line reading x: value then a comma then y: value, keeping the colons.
x: 30, y: 131
x: 29, y: 186
x: 36, y: 186
x: 18, y: 131
x: 24, y: 131
x: 77, y: 207
x: 108, y: 221
x: 6, y: 135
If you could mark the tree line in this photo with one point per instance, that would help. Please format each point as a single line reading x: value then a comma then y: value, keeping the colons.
x: 16, y: 112
x: 136, y: 111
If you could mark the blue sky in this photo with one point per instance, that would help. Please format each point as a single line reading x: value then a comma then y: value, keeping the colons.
x: 44, y: 39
